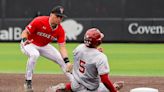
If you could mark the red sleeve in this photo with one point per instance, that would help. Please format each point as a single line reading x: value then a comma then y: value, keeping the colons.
x: 106, y: 81
x: 32, y: 25
x: 61, y: 37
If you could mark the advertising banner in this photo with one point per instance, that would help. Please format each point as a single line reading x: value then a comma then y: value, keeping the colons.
x: 144, y: 30
x: 11, y: 29
x: 114, y: 30
x: 119, y: 20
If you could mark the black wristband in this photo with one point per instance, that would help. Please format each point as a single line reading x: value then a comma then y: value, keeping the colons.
x: 66, y: 60
x: 24, y: 39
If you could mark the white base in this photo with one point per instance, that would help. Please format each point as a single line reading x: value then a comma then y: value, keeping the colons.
x: 144, y: 89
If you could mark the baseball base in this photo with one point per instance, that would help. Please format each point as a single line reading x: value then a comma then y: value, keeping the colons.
x: 144, y: 89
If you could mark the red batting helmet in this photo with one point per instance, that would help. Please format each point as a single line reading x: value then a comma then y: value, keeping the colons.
x: 93, y: 37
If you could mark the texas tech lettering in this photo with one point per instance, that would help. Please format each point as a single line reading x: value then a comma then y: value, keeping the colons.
x: 48, y: 36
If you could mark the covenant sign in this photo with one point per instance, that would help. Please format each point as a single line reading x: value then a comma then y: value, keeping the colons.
x: 135, y: 28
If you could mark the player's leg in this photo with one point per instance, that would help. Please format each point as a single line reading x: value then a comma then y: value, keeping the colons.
x: 50, y: 52
x: 65, y: 87
x: 33, y: 55
x: 77, y: 87
x: 61, y: 87
x: 73, y: 86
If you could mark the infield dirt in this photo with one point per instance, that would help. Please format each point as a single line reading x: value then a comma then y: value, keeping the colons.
x: 14, y: 82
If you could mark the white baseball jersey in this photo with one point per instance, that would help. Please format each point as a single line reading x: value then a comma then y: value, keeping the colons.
x: 89, y: 63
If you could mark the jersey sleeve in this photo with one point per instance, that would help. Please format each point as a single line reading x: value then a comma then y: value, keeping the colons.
x: 32, y: 26
x: 61, y: 37
x: 102, y: 65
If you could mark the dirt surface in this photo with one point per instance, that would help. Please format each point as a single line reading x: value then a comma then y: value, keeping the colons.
x: 14, y: 82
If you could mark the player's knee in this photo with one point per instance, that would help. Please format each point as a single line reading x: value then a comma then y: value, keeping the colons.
x: 34, y: 56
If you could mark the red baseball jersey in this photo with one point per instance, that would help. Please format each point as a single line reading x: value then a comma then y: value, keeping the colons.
x: 42, y: 33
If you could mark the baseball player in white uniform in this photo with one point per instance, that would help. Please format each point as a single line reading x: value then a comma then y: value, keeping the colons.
x: 90, y: 69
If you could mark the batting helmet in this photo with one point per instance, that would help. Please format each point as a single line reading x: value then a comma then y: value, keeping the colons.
x: 93, y: 37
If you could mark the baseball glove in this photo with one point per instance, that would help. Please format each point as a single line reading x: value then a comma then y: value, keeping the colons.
x: 118, y: 85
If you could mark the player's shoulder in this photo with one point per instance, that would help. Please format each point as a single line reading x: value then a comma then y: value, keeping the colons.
x: 93, y: 51
x: 80, y: 46
x: 101, y: 54
x: 41, y: 20
x: 101, y: 58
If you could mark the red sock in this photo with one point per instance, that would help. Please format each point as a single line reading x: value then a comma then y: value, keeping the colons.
x: 68, y: 86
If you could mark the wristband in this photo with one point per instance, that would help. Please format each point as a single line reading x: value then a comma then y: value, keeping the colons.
x: 66, y: 60
x: 24, y: 39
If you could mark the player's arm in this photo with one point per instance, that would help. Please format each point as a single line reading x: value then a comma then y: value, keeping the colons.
x: 103, y: 70
x: 24, y: 37
x: 25, y: 34
x: 63, y: 52
x: 30, y: 28
x: 106, y: 81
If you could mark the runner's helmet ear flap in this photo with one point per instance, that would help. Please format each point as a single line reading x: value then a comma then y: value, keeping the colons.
x: 93, y: 38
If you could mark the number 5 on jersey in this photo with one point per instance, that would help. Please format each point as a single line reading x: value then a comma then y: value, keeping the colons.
x: 82, y: 66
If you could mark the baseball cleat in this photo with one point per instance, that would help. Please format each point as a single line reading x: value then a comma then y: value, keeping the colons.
x: 58, y: 88
x: 28, y: 86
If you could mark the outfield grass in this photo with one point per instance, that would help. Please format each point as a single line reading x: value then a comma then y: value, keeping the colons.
x: 124, y: 59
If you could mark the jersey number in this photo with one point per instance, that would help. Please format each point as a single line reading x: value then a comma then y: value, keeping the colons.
x: 82, y: 68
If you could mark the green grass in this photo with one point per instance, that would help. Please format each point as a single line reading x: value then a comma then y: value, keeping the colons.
x: 124, y: 59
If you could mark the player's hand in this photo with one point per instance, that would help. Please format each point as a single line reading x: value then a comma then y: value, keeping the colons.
x: 69, y: 67
x: 26, y: 42
x: 118, y: 85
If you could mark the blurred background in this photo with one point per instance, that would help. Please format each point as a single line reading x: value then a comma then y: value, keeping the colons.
x: 125, y: 22
x: 120, y: 20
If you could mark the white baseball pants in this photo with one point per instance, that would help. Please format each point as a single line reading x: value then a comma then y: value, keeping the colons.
x: 48, y: 51
x: 77, y: 87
